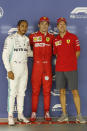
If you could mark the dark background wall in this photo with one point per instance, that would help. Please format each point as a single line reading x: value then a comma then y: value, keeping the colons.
x: 31, y: 10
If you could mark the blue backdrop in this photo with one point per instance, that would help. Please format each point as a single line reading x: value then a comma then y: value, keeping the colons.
x: 76, y: 14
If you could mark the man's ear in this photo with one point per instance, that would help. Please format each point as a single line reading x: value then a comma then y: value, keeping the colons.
x: 57, y: 26
x: 17, y: 27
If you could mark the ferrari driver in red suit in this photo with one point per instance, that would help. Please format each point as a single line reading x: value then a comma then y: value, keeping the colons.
x: 41, y: 42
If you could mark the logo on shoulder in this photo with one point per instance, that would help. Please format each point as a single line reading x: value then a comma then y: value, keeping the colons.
x: 79, y: 12
x: 1, y: 12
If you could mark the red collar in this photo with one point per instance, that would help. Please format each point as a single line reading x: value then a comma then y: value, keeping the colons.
x: 42, y: 33
x: 64, y: 35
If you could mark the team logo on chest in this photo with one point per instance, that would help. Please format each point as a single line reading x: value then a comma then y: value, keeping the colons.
x: 57, y: 43
x: 37, y: 39
x: 47, y: 39
x: 68, y: 41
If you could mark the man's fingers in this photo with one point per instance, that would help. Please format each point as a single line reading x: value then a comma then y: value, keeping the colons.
x: 11, y: 75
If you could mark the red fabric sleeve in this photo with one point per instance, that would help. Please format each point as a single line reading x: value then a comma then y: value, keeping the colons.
x: 77, y: 44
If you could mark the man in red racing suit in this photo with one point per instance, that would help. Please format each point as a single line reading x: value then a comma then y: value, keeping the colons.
x: 42, y: 70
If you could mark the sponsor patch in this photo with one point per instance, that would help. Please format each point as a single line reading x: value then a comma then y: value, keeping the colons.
x: 58, y: 43
x: 37, y: 39
x: 46, y: 78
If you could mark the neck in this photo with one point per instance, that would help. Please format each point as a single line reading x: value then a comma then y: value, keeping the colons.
x: 43, y: 32
x: 20, y: 33
x: 62, y: 34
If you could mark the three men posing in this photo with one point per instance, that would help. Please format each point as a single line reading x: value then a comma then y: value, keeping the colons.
x: 17, y: 49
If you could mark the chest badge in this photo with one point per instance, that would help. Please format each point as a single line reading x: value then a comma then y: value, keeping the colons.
x: 47, y: 39
x: 68, y: 41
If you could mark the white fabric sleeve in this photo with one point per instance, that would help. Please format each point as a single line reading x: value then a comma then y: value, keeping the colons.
x: 7, y: 50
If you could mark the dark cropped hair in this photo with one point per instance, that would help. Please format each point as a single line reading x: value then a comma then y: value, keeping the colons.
x: 20, y: 21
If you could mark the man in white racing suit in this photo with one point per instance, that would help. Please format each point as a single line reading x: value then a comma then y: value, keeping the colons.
x: 15, y: 53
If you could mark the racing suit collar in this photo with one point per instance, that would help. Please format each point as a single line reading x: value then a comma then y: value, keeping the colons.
x: 42, y: 33
x: 65, y: 34
x: 21, y: 36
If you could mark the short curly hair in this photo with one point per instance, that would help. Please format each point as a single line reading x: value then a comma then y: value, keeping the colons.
x: 20, y: 21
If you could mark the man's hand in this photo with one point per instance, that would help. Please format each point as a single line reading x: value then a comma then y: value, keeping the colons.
x: 56, y: 56
x: 11, y: 75
x: 77, y: 54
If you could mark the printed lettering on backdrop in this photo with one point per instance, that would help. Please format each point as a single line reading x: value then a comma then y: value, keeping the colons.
x: 76, y: 15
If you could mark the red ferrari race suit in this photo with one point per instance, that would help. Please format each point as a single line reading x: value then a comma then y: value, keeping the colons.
x: 42, y: 70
